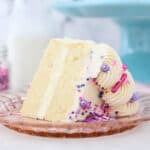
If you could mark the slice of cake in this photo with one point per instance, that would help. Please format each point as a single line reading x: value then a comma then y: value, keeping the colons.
x: 80, y: 81
x: 53, y: 90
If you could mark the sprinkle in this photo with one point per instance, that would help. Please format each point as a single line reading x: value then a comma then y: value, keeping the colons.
x: 135, y: 96
x: 87, y: 79
x: 105, y: 108
x: 83, y: 103
x: 124, y: 67
x: 115, y: 87
x: 119, y: 83
x: 101, y: 93
x: 106, y: 105
x: 82, y: 85
x: 123, y: 77
x: 112, y: 119
x: 82, y: 113
x: 105, y: 118
x: 78, y: 86
x: 70, y: 117
x: 94, y: 80
x: 116, y: 112
x: 105, y: 68
x: 72, y: 112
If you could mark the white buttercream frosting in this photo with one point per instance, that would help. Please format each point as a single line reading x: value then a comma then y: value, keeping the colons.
x: 108, y: 79
x: 119, y: 105
x: 125, y: 109
x: 123, y: 94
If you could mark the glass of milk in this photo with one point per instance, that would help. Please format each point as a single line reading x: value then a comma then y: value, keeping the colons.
x: 32, y: 25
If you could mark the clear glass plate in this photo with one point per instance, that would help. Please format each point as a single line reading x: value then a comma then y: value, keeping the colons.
x: 10, y: 104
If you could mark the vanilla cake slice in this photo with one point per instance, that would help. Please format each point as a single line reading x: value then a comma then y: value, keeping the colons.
x: 80, y: 81
x: 53, y: 89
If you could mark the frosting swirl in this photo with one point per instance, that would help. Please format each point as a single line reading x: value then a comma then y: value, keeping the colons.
x: 125, y: 109
x: 108, y: 77
x: 112, y: 88
x: 111, y: 59
x: 123, y: 94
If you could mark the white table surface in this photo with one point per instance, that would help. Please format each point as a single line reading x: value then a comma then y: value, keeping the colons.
x: 135, y: 139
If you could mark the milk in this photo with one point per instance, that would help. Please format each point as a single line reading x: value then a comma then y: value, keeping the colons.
x: 31, y: 29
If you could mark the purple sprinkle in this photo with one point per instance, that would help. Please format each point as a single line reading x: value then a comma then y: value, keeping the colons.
x: 116, y: 112
x: 105, y: 68
x: 135, y: 96
x: 87, y: 79
x: 112, y: 118
x: 70, y: 117
x: 101, y: 93
x: 72, y: 112
x: 78, y: 86
x: 82, y: 85
x: 83, y: 103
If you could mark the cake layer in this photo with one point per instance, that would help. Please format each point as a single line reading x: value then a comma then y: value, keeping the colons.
x: 37, y: 91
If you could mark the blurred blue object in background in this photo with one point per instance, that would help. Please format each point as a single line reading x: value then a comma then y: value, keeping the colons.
x: 134, y: 19
x: 103, y: 8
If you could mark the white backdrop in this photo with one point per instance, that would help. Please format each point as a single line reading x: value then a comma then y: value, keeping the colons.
x: 98, y: 29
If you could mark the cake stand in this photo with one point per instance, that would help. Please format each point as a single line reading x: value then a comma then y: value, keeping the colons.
x: 134, y: 21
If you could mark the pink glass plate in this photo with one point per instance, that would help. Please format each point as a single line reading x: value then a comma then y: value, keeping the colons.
x: 10, y: 104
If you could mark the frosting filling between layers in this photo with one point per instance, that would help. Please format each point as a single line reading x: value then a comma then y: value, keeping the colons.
x: 57, y: 70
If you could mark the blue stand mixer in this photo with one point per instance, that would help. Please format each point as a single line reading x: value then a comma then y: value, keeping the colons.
x: 133, y: 17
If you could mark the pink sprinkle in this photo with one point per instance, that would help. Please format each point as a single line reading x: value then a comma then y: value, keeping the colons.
x: 123, y: 78
x: 78, y: 111
x: 119, y: 83
x: 88, y: 105
x: 94, y: 80
x: 95, y: 107
x: 80, y: 98
x: 114, y: 62
x: 124, y: 67
x: 115, y: 87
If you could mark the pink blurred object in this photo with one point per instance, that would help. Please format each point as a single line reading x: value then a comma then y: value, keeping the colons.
x: 4, y: 69
x: 4, y: 78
